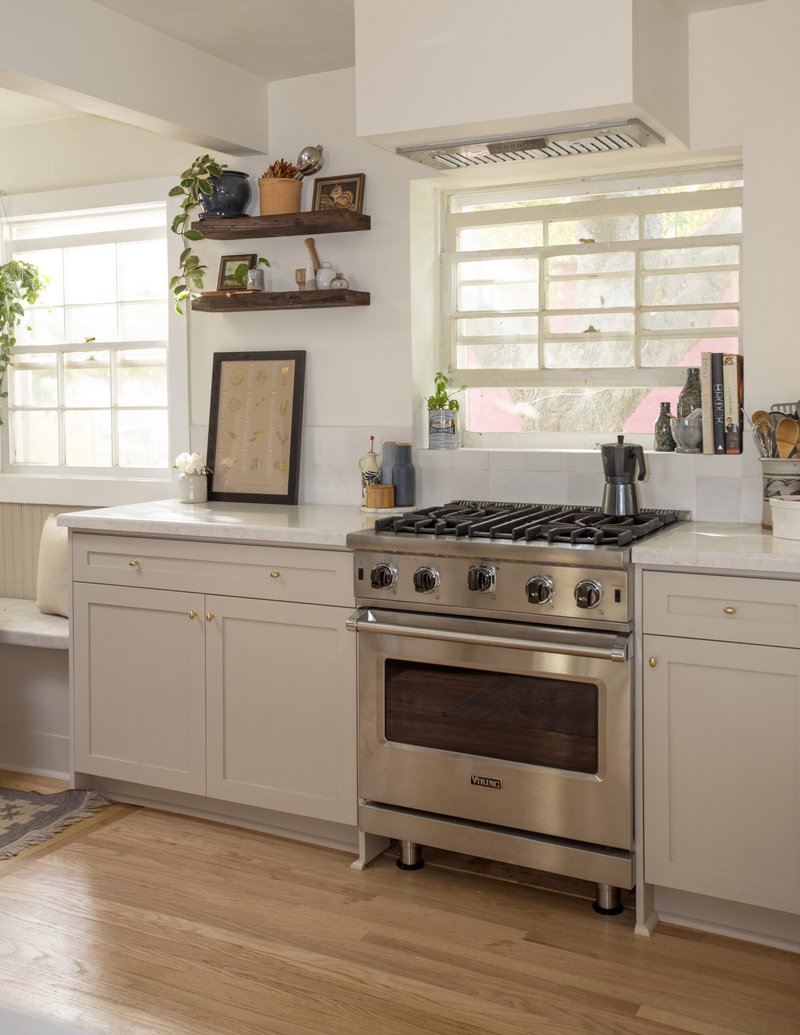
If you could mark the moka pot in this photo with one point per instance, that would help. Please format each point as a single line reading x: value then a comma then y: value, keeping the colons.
x: 620, y: 463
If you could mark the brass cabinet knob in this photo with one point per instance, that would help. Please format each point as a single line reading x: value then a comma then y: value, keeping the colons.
x: 133, y: 564
x: 274, y: 574
x: 653, y: 662
x: 193, y: 614
x: 210, y: 616
x: 729, y: 610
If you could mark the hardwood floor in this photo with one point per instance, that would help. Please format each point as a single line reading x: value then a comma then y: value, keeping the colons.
x: 155, y: 924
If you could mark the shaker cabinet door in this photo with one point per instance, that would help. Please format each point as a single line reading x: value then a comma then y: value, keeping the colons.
x: 139, y: 686
x: 721, y: 776
x: 281, y: 681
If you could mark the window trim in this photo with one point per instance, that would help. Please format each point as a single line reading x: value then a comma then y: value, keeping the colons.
x: 83, y: 487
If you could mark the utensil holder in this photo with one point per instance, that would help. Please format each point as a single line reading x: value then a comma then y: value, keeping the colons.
x: 781, y: 478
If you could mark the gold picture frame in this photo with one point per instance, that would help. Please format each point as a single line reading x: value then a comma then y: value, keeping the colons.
x: 339, y: 193
x: 228, y: 265
x: 255, y: 426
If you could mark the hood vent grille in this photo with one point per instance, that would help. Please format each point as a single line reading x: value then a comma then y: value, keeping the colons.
x: 557, y: 143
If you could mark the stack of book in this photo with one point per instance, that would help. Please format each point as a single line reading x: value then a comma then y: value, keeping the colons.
x: 721, y: 393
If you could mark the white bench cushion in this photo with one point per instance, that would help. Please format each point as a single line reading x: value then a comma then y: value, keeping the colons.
x: 24, y: 625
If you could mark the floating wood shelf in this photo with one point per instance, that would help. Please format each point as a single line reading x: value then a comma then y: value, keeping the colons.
x: 246, y: 301
x: 287, y: 224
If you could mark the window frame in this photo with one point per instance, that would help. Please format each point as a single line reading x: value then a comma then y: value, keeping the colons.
x: 450, y: 222
x: 103, y: 486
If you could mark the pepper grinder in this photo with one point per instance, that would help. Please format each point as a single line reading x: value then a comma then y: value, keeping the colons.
x: 404, y: 476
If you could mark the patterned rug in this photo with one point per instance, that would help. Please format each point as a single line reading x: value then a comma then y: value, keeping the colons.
x: 27, y: 818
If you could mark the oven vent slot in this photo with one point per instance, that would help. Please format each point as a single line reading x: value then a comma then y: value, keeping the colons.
x: 623, y: 135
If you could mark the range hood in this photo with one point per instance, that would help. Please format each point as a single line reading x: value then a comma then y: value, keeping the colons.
x: 557, y: 143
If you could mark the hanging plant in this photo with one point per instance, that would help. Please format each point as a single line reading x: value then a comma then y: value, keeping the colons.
x: 19, y: 282
x: 197, y: 182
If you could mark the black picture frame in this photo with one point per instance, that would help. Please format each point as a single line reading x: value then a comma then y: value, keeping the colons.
x: 338, y: 193
x: 228, y: 264
x: 255, y: 426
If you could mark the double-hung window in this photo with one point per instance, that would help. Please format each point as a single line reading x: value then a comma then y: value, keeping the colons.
x: 88, y: 384
x: 573, y: 311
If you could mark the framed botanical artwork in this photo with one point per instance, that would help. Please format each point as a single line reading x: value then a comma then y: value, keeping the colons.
x: 228, y: 265
x: 255, y: 425
x: 339, y: 192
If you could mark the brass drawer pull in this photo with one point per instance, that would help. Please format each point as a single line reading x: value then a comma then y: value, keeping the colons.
x: 193, y: 614
x: 133, y: 564
x: 210, y: 616
x: 729, y: 610
x: 274, y: 574
x: 653, y: 662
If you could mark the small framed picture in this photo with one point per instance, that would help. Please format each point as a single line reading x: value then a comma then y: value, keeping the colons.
x: 228, y: 265
x: 255, y: 425
x: 339, y: 192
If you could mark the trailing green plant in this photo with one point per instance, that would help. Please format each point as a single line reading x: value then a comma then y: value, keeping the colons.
x: 442, y: 399
x: 197, y: 182
x: 19, y: 282
x: 241, y: 271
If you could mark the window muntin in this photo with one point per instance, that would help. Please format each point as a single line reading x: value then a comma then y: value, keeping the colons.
x: 88, y: 386
x: 587, y: 330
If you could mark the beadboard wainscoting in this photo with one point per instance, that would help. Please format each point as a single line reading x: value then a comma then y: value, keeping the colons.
x: 20, y: 533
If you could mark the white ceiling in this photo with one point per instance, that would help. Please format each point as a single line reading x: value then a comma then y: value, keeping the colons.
x: 273, y: 39
x: 18, y: 109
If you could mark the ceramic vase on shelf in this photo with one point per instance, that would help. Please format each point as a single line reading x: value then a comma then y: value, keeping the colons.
x: 192, y: 488
x: 690, y: 399
x: 663, y: 442
x: 276, y: 195
x: 230, y: 196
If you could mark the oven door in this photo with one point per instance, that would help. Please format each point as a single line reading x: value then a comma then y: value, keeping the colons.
x: 518, y: 726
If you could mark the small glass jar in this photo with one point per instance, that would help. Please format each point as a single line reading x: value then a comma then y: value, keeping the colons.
x: 663, y: 442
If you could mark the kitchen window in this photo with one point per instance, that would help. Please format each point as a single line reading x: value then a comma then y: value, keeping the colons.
x: 572, y: 313
x: 88, y: 385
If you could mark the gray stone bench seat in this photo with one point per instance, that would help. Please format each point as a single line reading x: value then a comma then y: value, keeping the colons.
x: 22, y: 624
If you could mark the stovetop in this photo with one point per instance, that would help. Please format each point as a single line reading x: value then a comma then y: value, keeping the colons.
x: 528, y: 522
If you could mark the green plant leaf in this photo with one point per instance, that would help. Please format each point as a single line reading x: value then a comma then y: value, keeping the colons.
x: 176, y: 191
x: 193, y: 235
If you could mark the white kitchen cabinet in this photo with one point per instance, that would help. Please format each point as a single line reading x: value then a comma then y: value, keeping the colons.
x: 235, y: 698
x: 721, y: 737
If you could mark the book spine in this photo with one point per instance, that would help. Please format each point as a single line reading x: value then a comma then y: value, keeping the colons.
x: 705, y: 402
x: 717, y: 403
x: 732, y: 392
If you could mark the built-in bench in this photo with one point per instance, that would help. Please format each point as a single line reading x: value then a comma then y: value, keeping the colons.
x: 34, y: 654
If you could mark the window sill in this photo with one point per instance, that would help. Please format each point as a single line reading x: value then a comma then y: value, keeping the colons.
x: 83, y: 491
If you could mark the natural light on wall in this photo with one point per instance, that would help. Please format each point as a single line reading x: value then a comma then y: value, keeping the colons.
x: 88, y: 386
x: 572, y: 314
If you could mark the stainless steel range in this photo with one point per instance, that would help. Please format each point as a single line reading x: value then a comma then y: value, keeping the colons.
x: 496, y: 685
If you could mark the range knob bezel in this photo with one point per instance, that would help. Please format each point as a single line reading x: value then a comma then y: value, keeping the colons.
x: 543, y: 583
x: 425, y: 579
x: 481, y: 578
x: 588, y: 594
x: 383, y: 567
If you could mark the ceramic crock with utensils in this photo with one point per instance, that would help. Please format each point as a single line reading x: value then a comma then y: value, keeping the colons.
x: 620, y: 464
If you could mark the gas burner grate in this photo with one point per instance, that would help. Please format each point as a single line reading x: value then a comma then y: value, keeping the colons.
x: 528, y: 522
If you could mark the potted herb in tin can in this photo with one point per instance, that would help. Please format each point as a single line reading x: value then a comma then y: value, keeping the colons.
x: 443, y: 429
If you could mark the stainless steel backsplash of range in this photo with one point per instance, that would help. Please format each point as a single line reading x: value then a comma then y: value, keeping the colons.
x: 496, y: 685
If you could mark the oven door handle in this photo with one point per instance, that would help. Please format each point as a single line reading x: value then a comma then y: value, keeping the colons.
x: 617, y: 649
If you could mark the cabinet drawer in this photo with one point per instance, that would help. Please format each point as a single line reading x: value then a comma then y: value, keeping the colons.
x: 230, y: 569
x: 722, y: 607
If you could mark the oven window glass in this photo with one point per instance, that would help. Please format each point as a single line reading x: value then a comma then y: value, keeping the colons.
x: 538, y: 720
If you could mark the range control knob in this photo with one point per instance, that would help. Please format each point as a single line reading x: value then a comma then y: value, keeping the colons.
x: 383, y: 576
x: 426, y: 580
x: 539, y: 589
x: 588, y: 593
x: 481, y: 578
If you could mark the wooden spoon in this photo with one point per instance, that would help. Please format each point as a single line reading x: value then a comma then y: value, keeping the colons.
x: 758, y: 415
x: 787, y: 431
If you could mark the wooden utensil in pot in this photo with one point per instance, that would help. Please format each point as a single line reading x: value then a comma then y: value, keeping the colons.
x: 312, y: 251
x: 787, y: 431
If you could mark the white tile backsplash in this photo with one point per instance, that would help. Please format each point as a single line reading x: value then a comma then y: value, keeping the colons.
x: 711, y: 488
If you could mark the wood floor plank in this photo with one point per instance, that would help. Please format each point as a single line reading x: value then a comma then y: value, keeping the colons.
x: 155, y: 924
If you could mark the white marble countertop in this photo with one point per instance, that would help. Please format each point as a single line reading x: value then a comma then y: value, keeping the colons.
x: 303, y: 525
x: 732, y: 547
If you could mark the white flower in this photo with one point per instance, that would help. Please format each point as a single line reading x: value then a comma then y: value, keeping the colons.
x: 190, y: 463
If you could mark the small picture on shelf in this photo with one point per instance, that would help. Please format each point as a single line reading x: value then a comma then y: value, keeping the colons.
x: 337, y: 193
x: 228, y: 267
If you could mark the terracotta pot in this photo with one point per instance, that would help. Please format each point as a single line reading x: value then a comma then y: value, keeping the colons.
x: 277, y: 196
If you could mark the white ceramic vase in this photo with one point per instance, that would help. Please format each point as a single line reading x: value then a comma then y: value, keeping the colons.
x: 192, y: 488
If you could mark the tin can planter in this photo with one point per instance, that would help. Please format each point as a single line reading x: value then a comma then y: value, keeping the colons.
x: 443, y: 431
x: 278, y: 195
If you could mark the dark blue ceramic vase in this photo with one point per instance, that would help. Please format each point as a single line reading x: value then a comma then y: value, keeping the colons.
x: 230, y: 198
